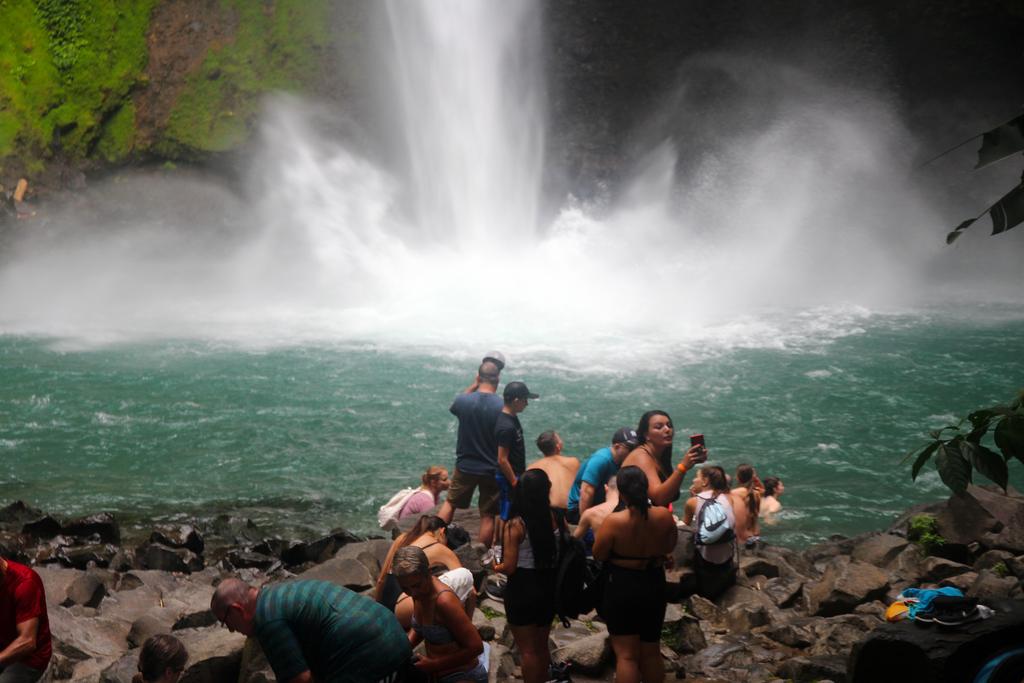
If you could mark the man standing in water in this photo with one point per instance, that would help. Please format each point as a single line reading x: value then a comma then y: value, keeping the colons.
x: 25, y: 644
x: 315, y: 630
x: 476, y: 453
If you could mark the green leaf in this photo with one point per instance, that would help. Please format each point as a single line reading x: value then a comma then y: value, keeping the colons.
x: 1009, y: 436
x: 989, y: 464
x: 954, y: 470
x: 981, y: 418
x: 923, y: 457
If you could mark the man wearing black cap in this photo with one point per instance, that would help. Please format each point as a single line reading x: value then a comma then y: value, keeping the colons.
x: 508, y: 433
x: 588, y: 488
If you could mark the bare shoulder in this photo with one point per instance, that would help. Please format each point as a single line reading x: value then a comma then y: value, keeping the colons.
x: 570, y: 463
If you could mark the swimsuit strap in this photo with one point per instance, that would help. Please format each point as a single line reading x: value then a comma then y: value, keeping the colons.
x: 429, y: 545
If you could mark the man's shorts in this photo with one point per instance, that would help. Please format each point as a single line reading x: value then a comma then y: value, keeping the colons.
x: 504, y: 497
x: 463, y: 485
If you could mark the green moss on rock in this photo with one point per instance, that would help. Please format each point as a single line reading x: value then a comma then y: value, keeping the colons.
x: 278, y: 46
x: 118, y: 134
x: 66, y: 69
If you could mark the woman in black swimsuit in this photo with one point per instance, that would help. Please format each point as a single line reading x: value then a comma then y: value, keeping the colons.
x: 529, y: 563
x: 453, y: 644
x: 654, y: 457
x: 634, y: 542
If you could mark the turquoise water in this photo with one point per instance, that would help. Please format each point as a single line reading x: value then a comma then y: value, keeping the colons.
x: 306, y: 438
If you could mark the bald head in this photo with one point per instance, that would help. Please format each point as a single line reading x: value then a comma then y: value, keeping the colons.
x: 489, y: 373
x: 234, y: 604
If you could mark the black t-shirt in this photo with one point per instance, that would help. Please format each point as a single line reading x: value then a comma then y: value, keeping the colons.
x: 509, y: 433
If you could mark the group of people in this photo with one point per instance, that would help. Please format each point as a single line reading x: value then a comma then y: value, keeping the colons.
x: 619, y: 501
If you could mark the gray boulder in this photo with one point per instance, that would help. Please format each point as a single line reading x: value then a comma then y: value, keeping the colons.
x: 163, y: 558
x: 879, y: 550
x: 348, y: 572
x: 990, y: 586
x: 215, y: 654
x: 178, y: 536
x: 86, y: 590
x: 102, y: 524
x: 588, y: 655
x: 935, y: 569
x: 844, y: 585
x: 783, y: 591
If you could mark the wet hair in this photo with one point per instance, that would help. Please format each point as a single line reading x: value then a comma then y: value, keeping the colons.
x: 745, y: 478
x: 665, y: 460
x: 632, y: 483
x: 530, y: 501
x: 770, y: 484
x: 489, y: 373
x: 424, y: 524
x: 547, y: 442
x: 432, y: 475
x: 158, y: 654
x: 715, y: 477
x: 410, y: 560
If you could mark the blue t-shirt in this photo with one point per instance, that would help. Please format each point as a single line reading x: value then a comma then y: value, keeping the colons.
x: 476, y: 451
x: 596, y: 471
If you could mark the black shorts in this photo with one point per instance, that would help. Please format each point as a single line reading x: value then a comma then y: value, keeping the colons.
x: 634, y: 602
x: 713, y: 579
x: 530, y: 597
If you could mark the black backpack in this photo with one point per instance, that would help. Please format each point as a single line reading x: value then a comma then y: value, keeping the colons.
x: 577, y: 582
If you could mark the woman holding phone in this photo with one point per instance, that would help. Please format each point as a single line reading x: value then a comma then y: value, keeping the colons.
x: 654, y: 457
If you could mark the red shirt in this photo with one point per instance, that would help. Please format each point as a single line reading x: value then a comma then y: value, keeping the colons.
x: 22, y: 598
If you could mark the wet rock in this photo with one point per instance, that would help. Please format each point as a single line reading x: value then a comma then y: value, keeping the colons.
x: 80, y: 557
x: 347, y: 572
x: 19, y: 513
x: 844, y: 585
x: 820, y: 668
x: 783, y: 591
x: 122, y: 561
x: 934, y: 569
x: 588, y: 655
x: 45, y: 527
x: 272, y: 547
x: 879, y: 550
x: 705, y: 610
x: 86, y: 590
x: 178, y: 536
x: 102, y: 524
x: 990, y: 586
x: 991, y: 558
x: 234, y: 531
x: 762, y: 566
x: 247, y: 558
x: 161, y: 558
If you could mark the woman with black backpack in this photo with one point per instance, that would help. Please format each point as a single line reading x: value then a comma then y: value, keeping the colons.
x: 530, y: 560
x: 634, y: 542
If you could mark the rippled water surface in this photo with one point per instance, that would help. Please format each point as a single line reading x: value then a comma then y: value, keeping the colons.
x: 307, y: 438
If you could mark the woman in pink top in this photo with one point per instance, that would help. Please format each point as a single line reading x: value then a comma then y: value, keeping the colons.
x: 435, y: 480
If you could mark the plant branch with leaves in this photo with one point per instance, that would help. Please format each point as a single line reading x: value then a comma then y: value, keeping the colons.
x: 963, y: 448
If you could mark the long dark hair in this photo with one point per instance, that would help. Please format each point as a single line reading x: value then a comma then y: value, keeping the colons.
x: 745, y: 478
x: 424, y: 524
x: 632, y: 483
x: 665, y: 459
x: 530, y: 501
x: 158, y: 654
x: 770, y: 484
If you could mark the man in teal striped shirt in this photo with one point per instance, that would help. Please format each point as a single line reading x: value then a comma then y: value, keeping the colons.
x: 315, y: 630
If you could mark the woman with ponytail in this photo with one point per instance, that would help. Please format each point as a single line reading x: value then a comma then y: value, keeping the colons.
x: 162, y: 659
x: 434, y: 483
x: 634, y: 542
x: 746, y: 504
x: 530, y: 563
x: 654, y: 457
x: 713, y: 564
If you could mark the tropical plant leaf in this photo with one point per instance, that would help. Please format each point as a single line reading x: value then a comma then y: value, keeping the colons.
x: 989, y: 464
x: 1009, y: 436
x: 923, y: 457
x: 954, y: 470
x: 981, y: 418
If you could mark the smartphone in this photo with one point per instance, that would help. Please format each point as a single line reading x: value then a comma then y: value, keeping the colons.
x: 698, y: 440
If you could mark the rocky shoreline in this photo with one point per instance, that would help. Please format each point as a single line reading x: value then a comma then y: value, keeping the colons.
x: 799, y: 615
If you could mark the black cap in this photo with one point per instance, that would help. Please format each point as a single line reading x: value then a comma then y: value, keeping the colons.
x: 517, y: 390
x: 628, y: 436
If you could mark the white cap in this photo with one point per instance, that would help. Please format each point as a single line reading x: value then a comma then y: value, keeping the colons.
x: 497, y: 357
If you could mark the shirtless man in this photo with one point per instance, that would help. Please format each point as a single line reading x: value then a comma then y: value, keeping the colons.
x: 593, y: 516
x: 561, y: 469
